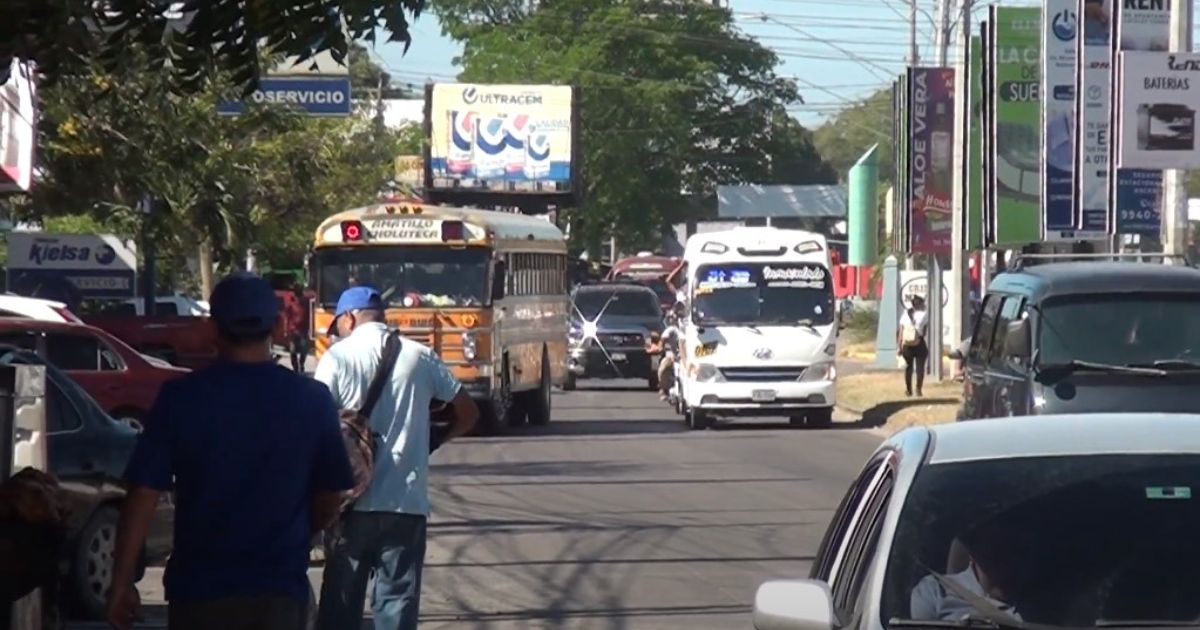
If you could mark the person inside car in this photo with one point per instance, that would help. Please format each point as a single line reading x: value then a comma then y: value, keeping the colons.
x: 991, y: 553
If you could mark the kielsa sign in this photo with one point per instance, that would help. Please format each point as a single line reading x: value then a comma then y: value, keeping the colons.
x: 56, y: 265
x: 313, y: 95
x: 1160, y: 95
x: 501, y: 138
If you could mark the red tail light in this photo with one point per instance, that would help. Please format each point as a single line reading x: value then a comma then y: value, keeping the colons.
x: 453, y: 231
x: 352, y: 231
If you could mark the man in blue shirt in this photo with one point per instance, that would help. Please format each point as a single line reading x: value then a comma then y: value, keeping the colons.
x: 254, y: 455
x: 385, y: 532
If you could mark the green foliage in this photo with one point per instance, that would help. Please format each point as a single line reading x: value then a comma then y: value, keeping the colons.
x: 673, y: 99
x: 861, y: 324
x: 843, y: 139
x: 260, y: 180
x: 227, y: 34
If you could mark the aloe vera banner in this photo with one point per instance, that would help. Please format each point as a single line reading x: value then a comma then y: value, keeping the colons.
x: 931, y: 170
x: 1017, y: 130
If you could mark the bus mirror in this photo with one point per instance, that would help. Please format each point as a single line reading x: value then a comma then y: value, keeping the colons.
x: 309, y: 282
x: 498, y: 273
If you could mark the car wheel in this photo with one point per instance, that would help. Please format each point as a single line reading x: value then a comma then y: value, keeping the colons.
x: 697, y: 420
x: 569, y: 382
x: 91, y: 570
x: 537, y: 401
x: 820, y: 418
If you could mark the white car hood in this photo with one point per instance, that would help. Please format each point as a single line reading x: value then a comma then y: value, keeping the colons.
x: 744, y: 346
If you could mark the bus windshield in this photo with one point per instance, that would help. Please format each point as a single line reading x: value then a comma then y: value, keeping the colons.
x: 763, y: 293
x: 405, y: 276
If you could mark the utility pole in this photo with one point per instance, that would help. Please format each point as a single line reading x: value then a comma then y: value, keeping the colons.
x: 1175, y: 217
x: 959, y: 278
x: 933, y: 296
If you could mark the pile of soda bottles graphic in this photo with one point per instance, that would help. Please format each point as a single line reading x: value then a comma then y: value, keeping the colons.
x: 498, y: 146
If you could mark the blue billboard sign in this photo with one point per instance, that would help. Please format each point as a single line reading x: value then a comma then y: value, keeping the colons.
x: 315, y: 96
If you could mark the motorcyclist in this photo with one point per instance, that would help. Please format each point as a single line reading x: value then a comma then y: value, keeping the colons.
x: 667, y: 345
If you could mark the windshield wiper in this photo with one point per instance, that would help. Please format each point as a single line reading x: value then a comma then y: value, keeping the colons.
x: 1055, y: 372
x: 1169, y: 364
x: 969, y: 621
x: 1147, y: 623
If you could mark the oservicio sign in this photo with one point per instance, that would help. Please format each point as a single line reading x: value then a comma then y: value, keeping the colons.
x: 323, y: 96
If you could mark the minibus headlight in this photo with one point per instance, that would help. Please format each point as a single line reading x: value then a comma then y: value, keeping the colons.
x: 819, y: 372
x: 708, y: 373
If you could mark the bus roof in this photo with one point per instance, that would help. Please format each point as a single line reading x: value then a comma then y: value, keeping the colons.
x: 767, y: 244
x: 506, y: 226
x: 644, y: 265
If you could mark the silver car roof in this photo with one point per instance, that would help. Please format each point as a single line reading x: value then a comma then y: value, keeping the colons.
x: 1059, y: 435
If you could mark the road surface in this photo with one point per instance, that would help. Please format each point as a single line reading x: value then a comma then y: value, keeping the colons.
x: 616, y: 517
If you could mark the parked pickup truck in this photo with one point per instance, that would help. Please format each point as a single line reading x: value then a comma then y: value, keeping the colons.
x: 179, y: 331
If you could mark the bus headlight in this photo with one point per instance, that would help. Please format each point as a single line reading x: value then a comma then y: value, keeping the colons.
x: 819, y: 372
x: 468, y: 346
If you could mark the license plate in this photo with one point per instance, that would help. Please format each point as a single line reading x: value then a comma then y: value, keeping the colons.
x: 763, y: 395
x: 618, y: 356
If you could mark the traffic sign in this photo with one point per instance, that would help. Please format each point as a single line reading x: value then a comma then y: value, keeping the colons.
x: 316, y: 96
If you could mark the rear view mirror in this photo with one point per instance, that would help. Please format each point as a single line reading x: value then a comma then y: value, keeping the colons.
x: 1016, y: 339
x: 793, y: 605
x: 499, y: 271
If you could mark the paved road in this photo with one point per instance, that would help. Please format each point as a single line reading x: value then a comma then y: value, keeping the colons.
x: 616, y: 517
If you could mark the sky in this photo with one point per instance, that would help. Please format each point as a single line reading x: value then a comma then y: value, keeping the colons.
x: 838, y: 51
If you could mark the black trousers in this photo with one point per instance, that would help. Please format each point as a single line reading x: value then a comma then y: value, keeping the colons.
x: 239, y: 613
x: 915, y: 357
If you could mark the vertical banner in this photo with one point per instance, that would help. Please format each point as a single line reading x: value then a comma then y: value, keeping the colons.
x: 931, y: 168
x: 1092, y: 104
x: 1059, y: 28
x: 1135, y: 195
x: 973, y: 148
x: 1017, y: 128
x: 987, y: 117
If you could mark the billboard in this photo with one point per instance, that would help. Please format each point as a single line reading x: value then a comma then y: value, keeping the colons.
x: 1059, y: 28
x: 931, y: 151
x: 1092, y: 105
x: 18, y: 112
x: 501, y: 138
x: 1160, y: 95
x: 1135, y: 195
x: 1016, y: 130
x: 68, y: 266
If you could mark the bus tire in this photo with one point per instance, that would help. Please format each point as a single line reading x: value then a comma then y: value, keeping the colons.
x: 494, y: 419
x: 537, y: 403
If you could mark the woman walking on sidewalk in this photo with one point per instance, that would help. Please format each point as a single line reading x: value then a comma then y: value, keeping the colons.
x: 914, y: 327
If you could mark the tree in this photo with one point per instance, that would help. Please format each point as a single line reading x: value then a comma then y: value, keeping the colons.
x: 843, y: 139
x: 673, y: 98
x: 192, y: 38
x: 259, y: 180
x: 795, y: 159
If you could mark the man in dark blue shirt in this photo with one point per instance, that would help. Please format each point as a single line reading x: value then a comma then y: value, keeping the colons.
x: 254, y: 455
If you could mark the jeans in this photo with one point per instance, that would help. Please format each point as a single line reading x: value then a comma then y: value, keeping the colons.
x: 390, y: 545
x: 238, y: 613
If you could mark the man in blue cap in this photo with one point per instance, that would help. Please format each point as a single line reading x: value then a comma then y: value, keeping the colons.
x: 385, y: 530
x: 254, y: 455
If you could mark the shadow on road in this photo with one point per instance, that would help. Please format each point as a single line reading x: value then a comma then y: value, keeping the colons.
x: 878, y: 415
x: 610, y: 614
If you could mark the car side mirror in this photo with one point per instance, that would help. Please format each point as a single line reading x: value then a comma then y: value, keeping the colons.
x: 793, y: 605
x: 1016, y: 339
x: 498, y: 274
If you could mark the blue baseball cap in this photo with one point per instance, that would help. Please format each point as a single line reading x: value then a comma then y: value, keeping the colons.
x: 244, y: 303
x: 359, y: 298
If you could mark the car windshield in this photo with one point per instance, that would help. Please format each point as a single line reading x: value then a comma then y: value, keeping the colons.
x: 592, y: 303
x: 406, y: 276
x: 1120, y: 329
x: 763, y: 293
x: 1067, y: 541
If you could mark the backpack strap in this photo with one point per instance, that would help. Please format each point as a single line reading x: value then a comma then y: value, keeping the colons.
x: 387, y: 361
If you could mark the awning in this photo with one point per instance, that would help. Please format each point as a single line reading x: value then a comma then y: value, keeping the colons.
x: 754, y: 201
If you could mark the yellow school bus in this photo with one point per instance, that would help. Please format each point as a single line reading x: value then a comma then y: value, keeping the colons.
x: 486, y: 290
